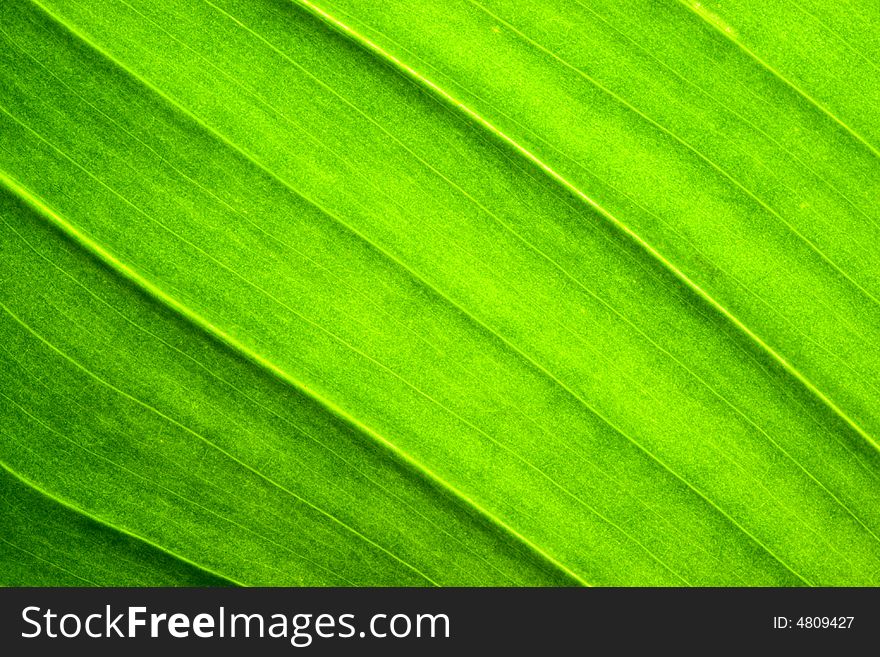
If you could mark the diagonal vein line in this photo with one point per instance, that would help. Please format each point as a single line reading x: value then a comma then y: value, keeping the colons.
x: 432, y: 400
x: 210, y: 443
x: 415, y: 277
x: 44, y: 560
x: 541, y: 254
x: 684, y: 239
x: 610, y: 424
x: 19, y: 548
x: 827, y: 112
x: 446, y: 97
x: 209, y: 328
x: 250, y: 157
x: 168, y: 490
x: 836, y: 34
x: 71, y: 507
x: 15, y: 187
x: 216, y: 376
x: 549, y: 259
x: 252, y: 356
x: 727, y: 108
x: 562, y: 154
x: 724, y: 172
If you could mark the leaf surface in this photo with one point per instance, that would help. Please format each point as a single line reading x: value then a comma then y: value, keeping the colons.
x: 459, y: 293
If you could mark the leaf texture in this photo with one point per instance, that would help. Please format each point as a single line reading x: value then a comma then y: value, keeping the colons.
x: 456, y: 293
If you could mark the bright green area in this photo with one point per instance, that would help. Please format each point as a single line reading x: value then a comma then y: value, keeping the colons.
x: 453, y: 293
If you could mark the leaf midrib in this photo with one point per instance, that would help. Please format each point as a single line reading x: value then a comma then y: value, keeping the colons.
x: 472, y: 318
x: 253, y: 159
x: 213, y: 329
x: 578, y: 398
x: 214, y: 375
x: 468, y: 315
x: 672, y: 229
x: 216, y: 333
x: 474, y: 116
x: 720, y: 169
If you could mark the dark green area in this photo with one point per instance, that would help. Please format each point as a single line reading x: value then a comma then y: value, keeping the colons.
x: 458, y: 293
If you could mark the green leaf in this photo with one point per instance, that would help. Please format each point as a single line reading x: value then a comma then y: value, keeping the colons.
x: 439, y: 293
